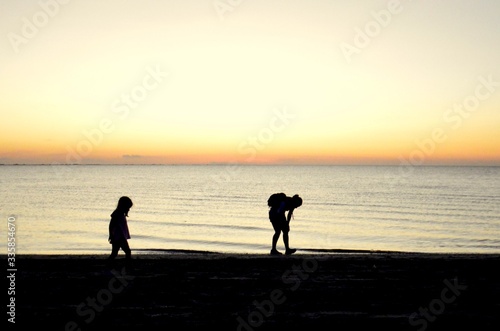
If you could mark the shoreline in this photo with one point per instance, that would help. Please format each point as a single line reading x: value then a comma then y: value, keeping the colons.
x: 194, y: 290
x: 160, y: 252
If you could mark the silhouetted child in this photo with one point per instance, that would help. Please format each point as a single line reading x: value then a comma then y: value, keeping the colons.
x: 279, y: 204
x: 118, y: 228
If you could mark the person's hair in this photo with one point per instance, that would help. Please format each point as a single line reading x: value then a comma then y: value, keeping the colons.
x: 297, y: 201
x: 124, y: 204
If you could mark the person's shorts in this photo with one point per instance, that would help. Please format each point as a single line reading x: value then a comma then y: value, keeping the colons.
x: 279, y: 222
x: 281, y: 226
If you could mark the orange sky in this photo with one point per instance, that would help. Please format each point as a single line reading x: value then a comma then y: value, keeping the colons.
x: 267, y: 82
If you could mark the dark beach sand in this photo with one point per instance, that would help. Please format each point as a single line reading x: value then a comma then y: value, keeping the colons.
x: 320, y: 290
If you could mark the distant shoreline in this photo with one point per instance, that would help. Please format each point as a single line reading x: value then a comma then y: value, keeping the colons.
x: 252, y: 164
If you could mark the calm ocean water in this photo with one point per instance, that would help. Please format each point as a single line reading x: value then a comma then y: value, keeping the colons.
x: 65, y: 209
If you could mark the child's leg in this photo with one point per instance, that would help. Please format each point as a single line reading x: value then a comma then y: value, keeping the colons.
x: 114, y: 250
x: 126, y: 249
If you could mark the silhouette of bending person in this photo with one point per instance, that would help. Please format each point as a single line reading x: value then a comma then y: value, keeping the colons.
x: 118, y: 228
x: 279, y: 204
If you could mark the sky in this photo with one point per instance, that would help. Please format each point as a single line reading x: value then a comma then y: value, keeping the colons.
x: 250, y: 81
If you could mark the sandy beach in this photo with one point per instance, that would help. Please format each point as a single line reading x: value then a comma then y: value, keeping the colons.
x: 183, y: 290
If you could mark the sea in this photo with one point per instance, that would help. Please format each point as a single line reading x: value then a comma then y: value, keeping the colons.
x: 65, y: 209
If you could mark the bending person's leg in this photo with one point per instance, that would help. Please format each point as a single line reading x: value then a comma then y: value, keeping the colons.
x: 286, y: 242
x: 276, y: 236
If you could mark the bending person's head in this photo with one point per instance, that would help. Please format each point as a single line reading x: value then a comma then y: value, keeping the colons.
x: 296, y: 201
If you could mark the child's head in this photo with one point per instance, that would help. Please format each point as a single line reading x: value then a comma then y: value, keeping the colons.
x: 124, y: 205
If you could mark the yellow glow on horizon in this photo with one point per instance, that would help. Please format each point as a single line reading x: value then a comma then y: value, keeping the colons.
x: 268, y: 84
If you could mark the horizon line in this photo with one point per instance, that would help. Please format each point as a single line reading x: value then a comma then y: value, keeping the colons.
x: 260, y: 164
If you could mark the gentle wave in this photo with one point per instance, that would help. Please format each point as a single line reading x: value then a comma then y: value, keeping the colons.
x: 438, y: 209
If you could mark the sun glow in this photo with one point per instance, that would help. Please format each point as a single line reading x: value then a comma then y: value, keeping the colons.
x: 268, y: 82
